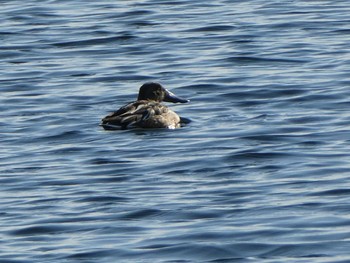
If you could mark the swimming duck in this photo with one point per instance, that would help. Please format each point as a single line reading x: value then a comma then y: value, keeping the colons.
x: 147, y: 111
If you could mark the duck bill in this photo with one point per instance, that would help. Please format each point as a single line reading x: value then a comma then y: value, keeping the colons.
x: 171, y: 97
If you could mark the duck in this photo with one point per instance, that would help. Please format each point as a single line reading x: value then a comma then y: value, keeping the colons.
x: 147, y: 111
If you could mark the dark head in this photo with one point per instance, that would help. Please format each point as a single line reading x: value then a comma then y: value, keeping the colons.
x: 155, y: 91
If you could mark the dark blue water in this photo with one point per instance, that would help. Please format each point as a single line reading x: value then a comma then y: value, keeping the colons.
x: 261, y: 174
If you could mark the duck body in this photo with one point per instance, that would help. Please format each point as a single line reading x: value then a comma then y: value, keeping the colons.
x: 147, y: 111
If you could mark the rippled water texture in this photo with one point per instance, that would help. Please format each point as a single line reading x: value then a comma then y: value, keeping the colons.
x: 261, y: 174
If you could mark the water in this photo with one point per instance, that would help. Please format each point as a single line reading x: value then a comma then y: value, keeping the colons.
x: 260, y: 175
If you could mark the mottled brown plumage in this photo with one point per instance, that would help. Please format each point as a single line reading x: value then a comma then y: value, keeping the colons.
x: 147, y: 111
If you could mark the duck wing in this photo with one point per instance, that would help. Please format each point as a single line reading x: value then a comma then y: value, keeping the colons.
x: 130, y: 115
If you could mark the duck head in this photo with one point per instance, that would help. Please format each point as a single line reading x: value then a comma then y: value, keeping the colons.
x: 155, y: 91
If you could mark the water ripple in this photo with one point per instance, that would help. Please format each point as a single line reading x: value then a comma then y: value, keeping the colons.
x: 260, y: 174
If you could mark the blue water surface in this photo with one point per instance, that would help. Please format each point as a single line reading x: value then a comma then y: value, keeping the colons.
x: 261, y: 174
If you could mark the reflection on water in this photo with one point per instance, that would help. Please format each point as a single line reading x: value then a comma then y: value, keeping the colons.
x: 259, y: 175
